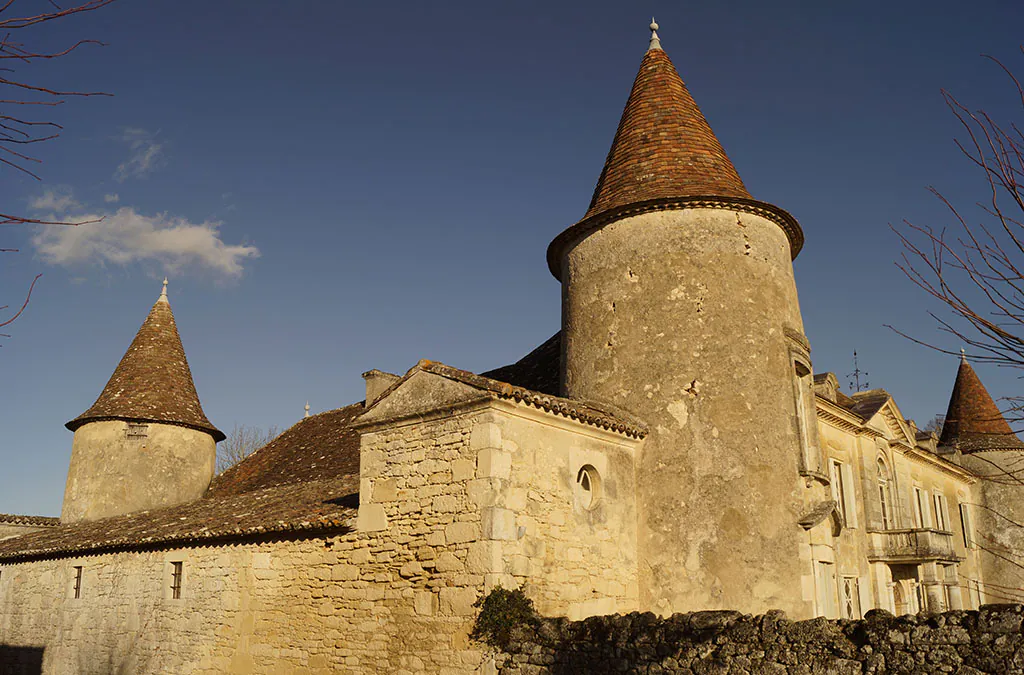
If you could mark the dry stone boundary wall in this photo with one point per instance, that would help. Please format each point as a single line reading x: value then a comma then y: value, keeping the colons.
x: 961, y: 642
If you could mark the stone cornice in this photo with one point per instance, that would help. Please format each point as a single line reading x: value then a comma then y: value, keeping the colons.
x: 767, y: 211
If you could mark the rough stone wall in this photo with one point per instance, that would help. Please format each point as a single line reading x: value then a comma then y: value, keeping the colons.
x: 679, y: 317
x: 574, y: 559
x: 171, y: 465
x: 339, y: 604
x: 497, y: 488
x: 997, y: 509
x: 967, y: 642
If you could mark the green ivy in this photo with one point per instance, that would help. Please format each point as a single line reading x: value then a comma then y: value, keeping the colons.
x: 501, y: 611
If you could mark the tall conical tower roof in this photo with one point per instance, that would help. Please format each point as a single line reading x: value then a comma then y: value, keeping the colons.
x: 973, y: 422
x: 664, y: 147
x: 665, y: 156
x: 152, y: 383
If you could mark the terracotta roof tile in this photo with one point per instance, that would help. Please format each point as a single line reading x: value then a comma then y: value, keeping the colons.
x: 281, y: 510
x: 582, y: 411
x: 973, y: 422
x: 39, y: 521
x: 539, y: 370
x: 665, y: 156
x: 664, y: 147
x: 152, y: 383
x: 319, y: 447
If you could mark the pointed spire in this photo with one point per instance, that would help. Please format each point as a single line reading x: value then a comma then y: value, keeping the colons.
x: 152, y: 383
x: 973, y: 422
x: 163, y: 293
x: 663, y: 148
x: 664, y: 156
x: 307, y: 409
x: 655, y: 40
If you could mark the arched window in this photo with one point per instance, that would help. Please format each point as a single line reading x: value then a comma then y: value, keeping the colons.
x: 888, y: 521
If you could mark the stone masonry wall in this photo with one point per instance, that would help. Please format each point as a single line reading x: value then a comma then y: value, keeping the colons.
x: 396, y: 600
x: 965, y: 642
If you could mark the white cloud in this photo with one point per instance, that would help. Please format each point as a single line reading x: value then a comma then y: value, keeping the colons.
x: 146, y: 155
x: 112, y: 198
x: 127, y: 237
x: 54, y: 200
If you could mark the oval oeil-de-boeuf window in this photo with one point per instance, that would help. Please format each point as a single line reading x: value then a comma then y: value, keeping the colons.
x: 587, y: 486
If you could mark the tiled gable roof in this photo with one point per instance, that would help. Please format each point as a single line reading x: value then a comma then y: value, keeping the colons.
x: 973, y: 422
x: 282, y: 510
x: 319, y: 447
x: 539, y: 370
x: 152, y: 383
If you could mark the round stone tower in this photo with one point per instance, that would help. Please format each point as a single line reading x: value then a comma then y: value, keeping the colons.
x: 679, y: 306
x: 975, y: 428
x: 145, y: 443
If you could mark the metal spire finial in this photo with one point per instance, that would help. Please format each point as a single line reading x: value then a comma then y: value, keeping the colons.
x: 655, y: 40
x: 307, y: 409
x: 963, y: 355
x: 163, y: 291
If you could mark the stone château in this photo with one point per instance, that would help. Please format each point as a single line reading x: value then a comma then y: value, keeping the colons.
x: 670, y: 449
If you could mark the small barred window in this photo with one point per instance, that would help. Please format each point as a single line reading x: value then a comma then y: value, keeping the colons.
x: 176, y: 570
x: 136, y: 430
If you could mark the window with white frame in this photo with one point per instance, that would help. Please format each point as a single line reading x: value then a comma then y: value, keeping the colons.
x: 850, y: 598
x: 941, y: 511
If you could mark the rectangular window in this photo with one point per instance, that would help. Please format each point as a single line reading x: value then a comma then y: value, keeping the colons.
x: 836, y: 477
x: 135, y: 430
x: 941, y: 512
x: 850, y: 598
x: 78, y: 582
x: 841, y: 476
x: 883, y: 499
x: 826, y: 588
x: 920, y: 509
x: 176, y: 569
x: 965, y: 526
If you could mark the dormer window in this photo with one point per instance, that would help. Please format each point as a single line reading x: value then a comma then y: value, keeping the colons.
x: 136, y: 430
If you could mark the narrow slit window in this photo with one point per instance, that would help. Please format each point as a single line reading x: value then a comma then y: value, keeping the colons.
x: 888, y: 521
x: 78, y: 582
x: 965, y: 525
x: 176, y: 569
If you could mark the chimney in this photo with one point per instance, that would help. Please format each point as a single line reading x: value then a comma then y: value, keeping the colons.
x: 377, y: 382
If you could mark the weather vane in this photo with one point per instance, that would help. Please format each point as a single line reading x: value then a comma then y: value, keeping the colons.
x: 855, y: 376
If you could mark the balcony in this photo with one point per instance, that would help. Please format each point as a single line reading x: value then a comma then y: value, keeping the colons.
x: 911, y: 546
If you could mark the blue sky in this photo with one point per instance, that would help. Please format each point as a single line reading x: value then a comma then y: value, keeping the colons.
x: 336, y: 186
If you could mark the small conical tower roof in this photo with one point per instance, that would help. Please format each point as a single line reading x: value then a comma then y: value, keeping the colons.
x: 152, y: 383
x: 665, y: 156
x: 973, y: 422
